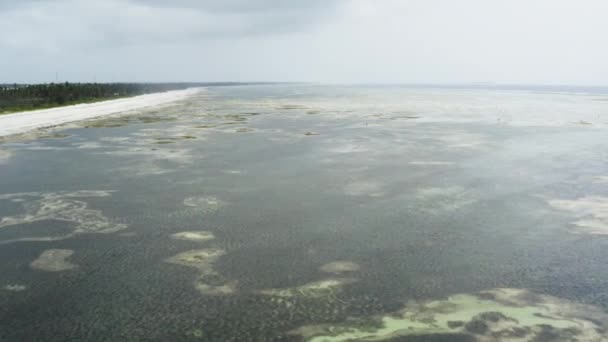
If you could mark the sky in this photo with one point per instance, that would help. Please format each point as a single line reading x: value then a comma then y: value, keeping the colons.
x: 331, y: 41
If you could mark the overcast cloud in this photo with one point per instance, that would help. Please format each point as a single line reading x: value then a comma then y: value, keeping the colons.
x: 405, y: 41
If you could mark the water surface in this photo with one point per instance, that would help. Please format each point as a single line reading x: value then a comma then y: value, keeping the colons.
x: 302, y: 212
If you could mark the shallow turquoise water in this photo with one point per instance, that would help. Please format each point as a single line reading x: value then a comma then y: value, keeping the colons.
x: 429, y: 192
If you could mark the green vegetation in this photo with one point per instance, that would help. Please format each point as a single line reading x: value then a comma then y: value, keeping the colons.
x: 22, y: 97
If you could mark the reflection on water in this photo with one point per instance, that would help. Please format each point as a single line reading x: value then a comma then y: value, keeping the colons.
x: 280, y: 213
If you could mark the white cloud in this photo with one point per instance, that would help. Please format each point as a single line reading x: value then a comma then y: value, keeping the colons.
x: 519, y: 41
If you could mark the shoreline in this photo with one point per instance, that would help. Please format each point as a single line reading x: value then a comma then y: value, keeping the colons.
x: 22, y: 122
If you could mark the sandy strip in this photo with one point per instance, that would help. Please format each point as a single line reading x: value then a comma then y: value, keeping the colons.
x: 25, y: 121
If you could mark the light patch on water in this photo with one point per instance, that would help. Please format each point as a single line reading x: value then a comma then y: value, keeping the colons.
x: 196, y: 236
x: 601, y: 180
x: 348, y: 148
x: 177, y: 155
x: 4, y: 156
x: 208, y: 205
x: 445, y: 198
x: 53, y: 260
x: 429, y: 163
x: 339, y: 267
x: 233, y: 172
x: 495, y: 315
x: 60, y: 206
x: 90, y: 145
x: 15, y: 287
x: 152, y: 145
x: 591, y: 213
x: 455, y: 139
x: 320, y: 288
x: 364, y: 188
x: 209, y: 281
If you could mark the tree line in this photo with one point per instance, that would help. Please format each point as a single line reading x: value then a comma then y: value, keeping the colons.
x: 36, y: 96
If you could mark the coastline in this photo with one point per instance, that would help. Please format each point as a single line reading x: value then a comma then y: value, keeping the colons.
x: 22, y: 122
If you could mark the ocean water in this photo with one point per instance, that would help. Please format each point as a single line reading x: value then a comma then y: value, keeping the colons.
x: 311, y: 212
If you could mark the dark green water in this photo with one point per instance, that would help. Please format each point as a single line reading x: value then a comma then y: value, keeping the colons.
x: 430, y: 193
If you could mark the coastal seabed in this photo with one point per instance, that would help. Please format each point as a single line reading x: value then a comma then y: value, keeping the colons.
x: 312, y: 213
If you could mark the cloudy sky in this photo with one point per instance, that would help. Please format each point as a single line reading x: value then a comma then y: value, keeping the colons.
x: 343, y: 41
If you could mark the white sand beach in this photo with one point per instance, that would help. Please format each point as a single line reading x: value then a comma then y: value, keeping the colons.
x: 22, y: 122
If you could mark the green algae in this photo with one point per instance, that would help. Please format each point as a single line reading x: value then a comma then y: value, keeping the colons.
x: 506, y: 313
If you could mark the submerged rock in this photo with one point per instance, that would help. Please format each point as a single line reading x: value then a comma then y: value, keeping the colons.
x: 495, y: 315
x: 53, y: 260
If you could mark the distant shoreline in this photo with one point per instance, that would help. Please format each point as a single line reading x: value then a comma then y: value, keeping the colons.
x: 22, y: 122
